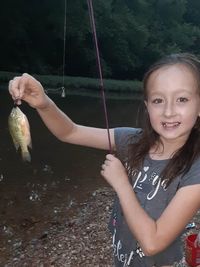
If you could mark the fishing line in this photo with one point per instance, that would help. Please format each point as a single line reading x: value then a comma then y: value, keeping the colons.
x: 93, y: 26
x: 64, y: 49
x: 61, y: 90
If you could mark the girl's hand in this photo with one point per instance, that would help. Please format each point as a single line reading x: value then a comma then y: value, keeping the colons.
x: 114, y: 173
x: 27, y: 88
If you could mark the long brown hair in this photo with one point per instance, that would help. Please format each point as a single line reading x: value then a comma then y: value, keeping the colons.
x: 183, y: 158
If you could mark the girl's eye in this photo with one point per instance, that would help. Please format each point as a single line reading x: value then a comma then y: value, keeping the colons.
x: 157, y: 101
x: 182, y: 99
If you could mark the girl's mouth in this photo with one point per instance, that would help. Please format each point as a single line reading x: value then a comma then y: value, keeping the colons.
x: 170, y: 125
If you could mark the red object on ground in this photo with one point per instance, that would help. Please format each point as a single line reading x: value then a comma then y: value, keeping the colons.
x: 192, y: 251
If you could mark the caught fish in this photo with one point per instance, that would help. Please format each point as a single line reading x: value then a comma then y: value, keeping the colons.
x: 20, y: 132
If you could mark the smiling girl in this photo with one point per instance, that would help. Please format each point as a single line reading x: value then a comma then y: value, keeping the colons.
x: 156, y: 174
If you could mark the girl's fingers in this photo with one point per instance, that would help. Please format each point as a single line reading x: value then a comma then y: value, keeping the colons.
x: 110, y: 157
x: 107, y: 162
x: 102, y: 172
x: 15, y: 89
x: 103, y: 166
x: 20, y: 82
x: 14, y: 93
x: 10, y: 88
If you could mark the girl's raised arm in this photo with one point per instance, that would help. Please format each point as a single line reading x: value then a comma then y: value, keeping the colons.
x: 28, y: 89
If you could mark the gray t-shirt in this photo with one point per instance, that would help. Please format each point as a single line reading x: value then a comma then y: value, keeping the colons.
x: 153, y: 197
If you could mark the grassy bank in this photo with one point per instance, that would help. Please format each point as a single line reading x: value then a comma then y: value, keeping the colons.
x: 83, y: 86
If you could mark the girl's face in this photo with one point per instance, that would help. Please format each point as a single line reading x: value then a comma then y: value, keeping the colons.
x: 173, y: 103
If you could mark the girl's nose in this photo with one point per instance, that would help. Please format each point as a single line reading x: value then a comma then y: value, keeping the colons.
x: 169, y: 109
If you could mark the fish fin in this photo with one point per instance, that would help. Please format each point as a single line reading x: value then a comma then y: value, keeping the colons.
x: 16, y: 145
x: 26, y: 156
x: 30, y: 144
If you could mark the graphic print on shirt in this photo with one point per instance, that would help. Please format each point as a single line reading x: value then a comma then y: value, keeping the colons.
x: 125, y: 258
x: 147, y: 181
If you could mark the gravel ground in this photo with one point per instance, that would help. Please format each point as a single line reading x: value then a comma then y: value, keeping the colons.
x: 82, y: 240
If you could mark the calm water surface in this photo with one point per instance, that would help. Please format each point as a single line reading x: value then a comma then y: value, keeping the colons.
x: 59, y: 174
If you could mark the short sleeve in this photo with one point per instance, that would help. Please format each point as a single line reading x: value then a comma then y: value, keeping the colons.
x: 192, y: 177
x: 125, y: 136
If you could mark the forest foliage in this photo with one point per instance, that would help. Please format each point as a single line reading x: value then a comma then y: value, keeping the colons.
x: 131, y: 35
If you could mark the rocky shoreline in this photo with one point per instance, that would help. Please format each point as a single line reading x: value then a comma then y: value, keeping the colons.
x: 81, y: 240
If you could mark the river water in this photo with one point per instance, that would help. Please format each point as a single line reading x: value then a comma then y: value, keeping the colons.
x: 59, y: 174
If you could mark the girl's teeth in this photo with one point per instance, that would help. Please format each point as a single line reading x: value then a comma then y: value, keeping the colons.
x: 175, y: 124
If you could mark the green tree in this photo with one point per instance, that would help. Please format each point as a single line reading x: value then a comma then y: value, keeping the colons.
x: 131, y: 35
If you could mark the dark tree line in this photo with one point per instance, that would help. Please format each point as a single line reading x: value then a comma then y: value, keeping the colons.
x: 131, y: 35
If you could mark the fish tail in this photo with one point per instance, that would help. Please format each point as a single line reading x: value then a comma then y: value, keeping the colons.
x: 26, y: 156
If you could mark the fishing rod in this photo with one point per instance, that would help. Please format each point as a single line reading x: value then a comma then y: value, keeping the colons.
x: 101, y: 85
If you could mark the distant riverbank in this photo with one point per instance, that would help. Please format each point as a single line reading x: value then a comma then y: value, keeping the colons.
x: 67, y: 85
